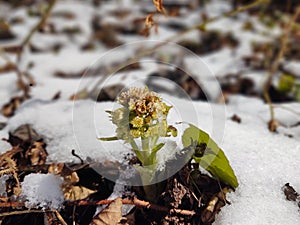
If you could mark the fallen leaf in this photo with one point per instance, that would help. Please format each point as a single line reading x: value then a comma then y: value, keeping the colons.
x: 23, y: 136
x: 5, y: 31
x: 75, y: 193
x: 37, y: 153
x: 9, y: 166
x: 111, y: 215
x: 236, y: 118
x: 214, y: 206
x: 56, y: 169
x: 159, y: 6
x: 56, y: 96
x: 7, y: 68
x: 290, y: 193
x: 149, y: 22
x: 72, y: 178
x: 9, y: 108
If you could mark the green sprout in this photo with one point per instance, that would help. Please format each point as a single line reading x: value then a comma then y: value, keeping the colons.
x: 143, y: 116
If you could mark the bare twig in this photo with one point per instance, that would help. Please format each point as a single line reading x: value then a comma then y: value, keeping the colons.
x: 60, y: 218
x: 21, y: 74
x: 135, y: 201
x: 38, y: 26
x: 23, y: 212
x: 274, y: 68
x: 143, y: 204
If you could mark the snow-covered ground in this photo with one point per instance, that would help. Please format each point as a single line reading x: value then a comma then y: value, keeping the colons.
x: 263, y: 162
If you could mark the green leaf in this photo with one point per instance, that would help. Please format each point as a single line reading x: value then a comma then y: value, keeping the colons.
x: 286, y: 83
x: 213, y: 159
x: 108, y: 139
x: 152, y: 156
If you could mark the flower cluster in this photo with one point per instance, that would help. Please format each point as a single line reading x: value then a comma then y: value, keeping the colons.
x: 143, y: 115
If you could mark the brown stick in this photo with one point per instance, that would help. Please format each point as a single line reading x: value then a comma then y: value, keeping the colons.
x: 60, y: 218
x: 135, y: 201
x: 143, y: 204
x: 22, y: 212
x: 274, y: 68
x: 21, y: 74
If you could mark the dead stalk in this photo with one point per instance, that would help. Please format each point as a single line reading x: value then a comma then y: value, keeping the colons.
x: 22, y: 212
x: 60, y: 218
x: 21, y: 74
x: 274, y: 68
x: 135, y: 201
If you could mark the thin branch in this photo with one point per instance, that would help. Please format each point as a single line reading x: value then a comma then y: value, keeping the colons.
x: 60, y: 218
x: 275, y: 66
x: 25, y: 42
x: 23, y: 212
x: 143, y: 204
x: 135, y: 201
x: 39, y: 25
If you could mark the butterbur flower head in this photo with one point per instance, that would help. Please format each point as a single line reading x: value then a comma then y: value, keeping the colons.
x: 137, y: 122
x: 143, y: 114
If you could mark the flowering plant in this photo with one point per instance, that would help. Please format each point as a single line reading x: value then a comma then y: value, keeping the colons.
x: 143, y: 116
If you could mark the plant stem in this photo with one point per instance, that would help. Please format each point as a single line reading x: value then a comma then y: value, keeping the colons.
x: 25, y: 42
x: 39, y: 25
x: 274, y: 68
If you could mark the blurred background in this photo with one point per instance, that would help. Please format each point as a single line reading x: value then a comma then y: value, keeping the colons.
x: 250, y: 48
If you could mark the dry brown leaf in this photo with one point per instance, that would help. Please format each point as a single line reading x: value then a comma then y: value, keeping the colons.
x: 7, y: 68
x: 214, y: 206
x: 9, y: 108
x: 9, y: 166
x: 56, y: 169
x: 5, y: 31
x: 159, y: 6
x: 75, y: 193
x: 111, y: 215
x: 290, y: 193
x: 37, y: 153
x: 23, y: 136
x: 149, y: 22
x: 72, y: 178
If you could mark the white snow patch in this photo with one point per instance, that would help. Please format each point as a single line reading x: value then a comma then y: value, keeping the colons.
x: 42, y: 190
x: 3, y: 180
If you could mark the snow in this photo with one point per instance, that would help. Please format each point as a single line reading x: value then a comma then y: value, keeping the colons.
x: 42, y: 190
x: 3, y: 180
x: 293, y: 67
x: 262, y: 161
